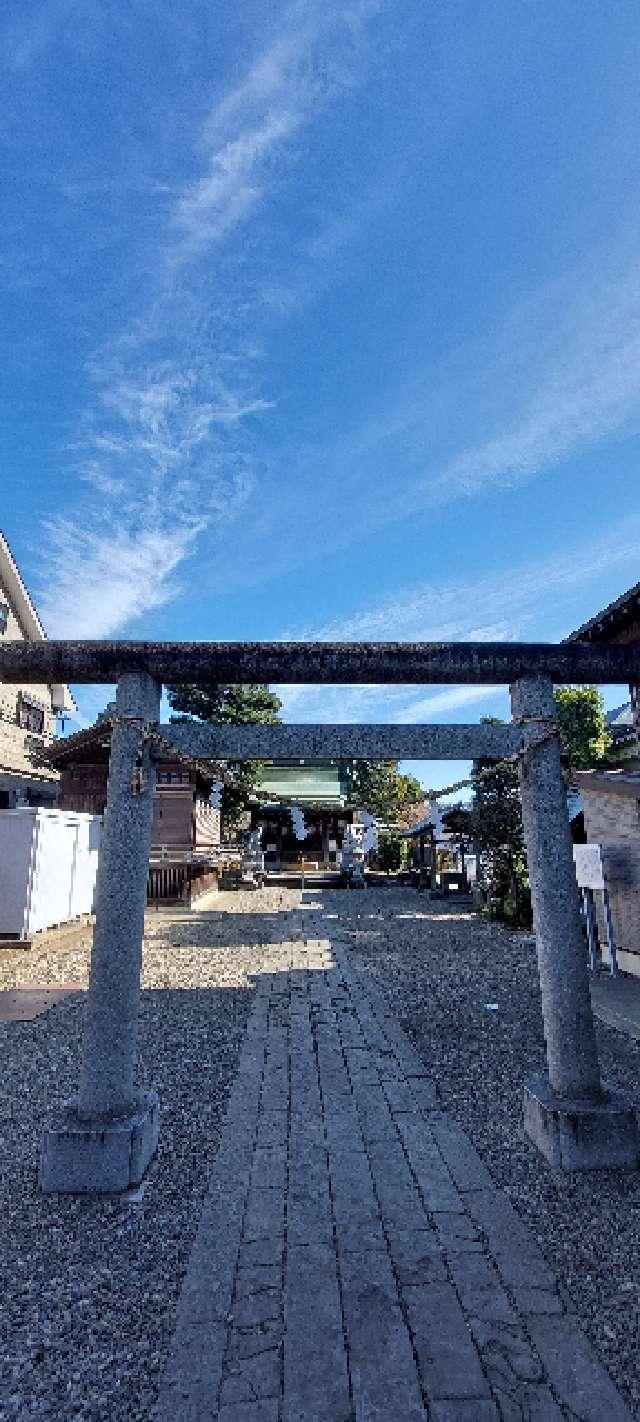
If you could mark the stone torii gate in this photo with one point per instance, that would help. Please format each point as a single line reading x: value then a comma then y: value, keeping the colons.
x: 107, y: 1135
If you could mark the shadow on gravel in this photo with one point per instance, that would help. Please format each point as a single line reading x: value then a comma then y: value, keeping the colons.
x: 89, y: 1286
x: 213, y: 930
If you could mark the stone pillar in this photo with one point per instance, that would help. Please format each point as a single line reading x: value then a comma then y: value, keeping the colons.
x: 576, y: 1121
x: 110, y: 1131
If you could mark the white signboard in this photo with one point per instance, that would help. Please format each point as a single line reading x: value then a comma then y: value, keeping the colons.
x: 588, y: 861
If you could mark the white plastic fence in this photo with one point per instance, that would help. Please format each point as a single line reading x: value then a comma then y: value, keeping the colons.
x: 48, y: 867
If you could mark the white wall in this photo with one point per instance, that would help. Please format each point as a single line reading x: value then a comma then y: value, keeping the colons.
x: 48, y: 867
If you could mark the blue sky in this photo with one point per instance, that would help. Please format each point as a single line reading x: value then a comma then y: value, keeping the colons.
x: 322, y: 320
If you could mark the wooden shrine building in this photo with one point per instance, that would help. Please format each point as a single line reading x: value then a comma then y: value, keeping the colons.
x: 319, y: 792
x: 184, y: 821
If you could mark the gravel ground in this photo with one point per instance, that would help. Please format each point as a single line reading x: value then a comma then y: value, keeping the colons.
x: 89, y: 1287
x: 439, y: 970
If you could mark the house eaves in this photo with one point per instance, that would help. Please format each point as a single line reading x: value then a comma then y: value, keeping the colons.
x: 614, y: 623
x: 26, y: 614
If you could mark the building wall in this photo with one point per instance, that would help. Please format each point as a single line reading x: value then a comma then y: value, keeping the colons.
x: 172, y: 827
x: 17, y: 746
x: 182, y: 819
x: 611, y: 819
x: 84, y: 788
x: 613, y: 822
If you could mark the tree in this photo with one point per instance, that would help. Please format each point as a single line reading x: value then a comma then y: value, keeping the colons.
x: 226, y: 704
x: 389, y: 852
x: 583, y: 725
x: 497, y: 830
x: 378, y: 786
x: 496, y: 815
x: 229, y: 704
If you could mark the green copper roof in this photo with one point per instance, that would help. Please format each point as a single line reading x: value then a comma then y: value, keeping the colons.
x: 318, y: 785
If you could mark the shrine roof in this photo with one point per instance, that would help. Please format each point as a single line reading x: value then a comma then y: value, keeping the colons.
x: 93, y: 744
x: 320, y: 786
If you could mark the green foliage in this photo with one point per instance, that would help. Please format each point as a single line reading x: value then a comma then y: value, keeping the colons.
x: 583, y: 724
x: 378, y: 786
x: 497, y: 831
x: 227, y: 704
x: 389, y: 852
x: 494, y: 821
x: 496, y: 815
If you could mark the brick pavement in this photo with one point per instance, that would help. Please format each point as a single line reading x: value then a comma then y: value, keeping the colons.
x: 354, y: 1260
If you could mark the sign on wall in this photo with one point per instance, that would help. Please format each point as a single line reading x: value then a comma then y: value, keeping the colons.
x: 589, y: 869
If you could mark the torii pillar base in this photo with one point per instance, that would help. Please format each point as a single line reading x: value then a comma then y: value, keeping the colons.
x: 581, y: 1135
x: 100, y: 1156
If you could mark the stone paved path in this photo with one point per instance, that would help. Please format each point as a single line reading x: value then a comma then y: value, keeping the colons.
x: 354, y: 1260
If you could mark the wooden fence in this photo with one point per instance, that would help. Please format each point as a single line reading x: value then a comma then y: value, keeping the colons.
x: 179, y: 882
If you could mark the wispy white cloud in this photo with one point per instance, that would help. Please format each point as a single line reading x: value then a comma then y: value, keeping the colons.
x: 372, y: 703
x: 161, y: 414
x: 497, y: 606
x: 502, y: 606
x: 162, y: 436
x: 556, y: 372
x: 576, y: 351
x: 158, y: 451
x: 551, y: 376
x: 332, y: 253
x: 101, y: 578
x: 284, y: 89
x: 216, y: 203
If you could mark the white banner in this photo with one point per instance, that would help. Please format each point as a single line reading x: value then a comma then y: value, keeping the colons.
x: 297, y: 820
